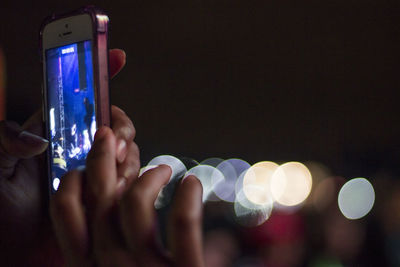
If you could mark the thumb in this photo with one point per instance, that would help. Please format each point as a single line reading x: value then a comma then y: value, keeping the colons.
x: 16, y: 143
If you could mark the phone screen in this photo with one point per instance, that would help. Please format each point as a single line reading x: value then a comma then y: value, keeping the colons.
x: 71, y: 107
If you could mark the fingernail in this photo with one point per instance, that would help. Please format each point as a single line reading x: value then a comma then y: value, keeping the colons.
x: 122, y: 182
x: 170, y: 169
x: 121, y: 185
x: 193, y: 179
x: 185, y: 177
x: 121, y: 151
x: 146, y: 168
x: 129, y: 172
x: 32, y: 139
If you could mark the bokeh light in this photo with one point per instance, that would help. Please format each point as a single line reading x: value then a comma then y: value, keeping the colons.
x: 231, y: 170
x: 257, y: 182
x: 248, y: 213
x: 208, y: 176
x: 291, y: 184
x: 178, y: 170
x: 256, y: 190
x: 356, y: 198
x: 239, y: 184
x: 212, y: 161
x: 189, y: 162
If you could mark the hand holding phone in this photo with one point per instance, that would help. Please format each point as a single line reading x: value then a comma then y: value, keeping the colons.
x: 23, y: 195
x: 98, y: 230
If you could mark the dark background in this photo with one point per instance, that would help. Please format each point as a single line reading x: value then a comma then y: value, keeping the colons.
x: 258, y: 80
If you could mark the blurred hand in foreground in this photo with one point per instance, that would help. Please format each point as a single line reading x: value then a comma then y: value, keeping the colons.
x: 24, y: 227
x: 100, y: 220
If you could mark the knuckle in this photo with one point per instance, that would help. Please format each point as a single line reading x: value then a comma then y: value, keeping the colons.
x: 124, y: 128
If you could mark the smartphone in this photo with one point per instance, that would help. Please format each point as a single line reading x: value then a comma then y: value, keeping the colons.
x: 74, y: 55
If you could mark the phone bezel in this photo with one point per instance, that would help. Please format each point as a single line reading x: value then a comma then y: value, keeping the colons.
x: 55, y: 34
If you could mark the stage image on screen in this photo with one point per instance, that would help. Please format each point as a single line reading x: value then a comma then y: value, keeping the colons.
x: 72, y: 122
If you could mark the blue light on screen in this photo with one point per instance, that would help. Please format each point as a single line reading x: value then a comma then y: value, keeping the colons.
x: 70, y: 94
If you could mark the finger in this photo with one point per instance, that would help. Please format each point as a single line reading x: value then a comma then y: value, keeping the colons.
x: 128, y: 170
x: 137, y: 214
x: 123, y: 129
x: 69, y: 222
x: 117, y: 60
x: 185, y: 237
x: 17, y: 144
x: 121, y: 124
x: 101, y: 173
